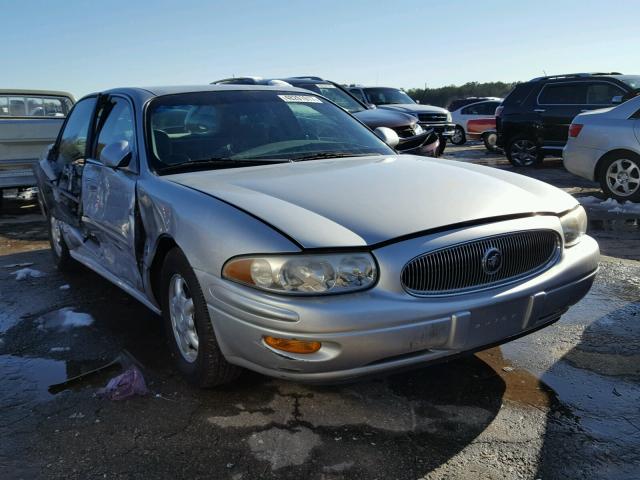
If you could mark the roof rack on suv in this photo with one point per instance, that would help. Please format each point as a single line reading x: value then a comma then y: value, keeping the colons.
x: 239, y: 80
x: 574, y: 75
x: 308, y: 77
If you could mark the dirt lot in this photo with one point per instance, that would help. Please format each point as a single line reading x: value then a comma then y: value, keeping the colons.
x: 561, y: 403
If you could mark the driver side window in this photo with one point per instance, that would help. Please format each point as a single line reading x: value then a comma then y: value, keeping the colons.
x: 115, y: 124
x: 73, y: 141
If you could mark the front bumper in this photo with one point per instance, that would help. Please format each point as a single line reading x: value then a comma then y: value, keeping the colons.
x: 385, y: 328
x: 443, y: 129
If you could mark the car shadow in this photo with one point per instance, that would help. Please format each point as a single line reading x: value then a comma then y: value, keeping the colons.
x: 593, y: 424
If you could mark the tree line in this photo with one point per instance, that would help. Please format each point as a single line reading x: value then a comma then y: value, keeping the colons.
x: 444, y: 95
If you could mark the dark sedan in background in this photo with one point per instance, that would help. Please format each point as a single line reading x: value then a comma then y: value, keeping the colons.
x: 413, y: 137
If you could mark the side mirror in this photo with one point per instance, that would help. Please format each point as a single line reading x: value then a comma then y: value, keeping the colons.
x: 371, y: 106
x: 418, y: 101
x: 617, y: 99
x: 116, y: 154
x: 388, y: 136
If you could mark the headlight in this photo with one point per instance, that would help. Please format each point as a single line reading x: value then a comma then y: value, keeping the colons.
x: 417, y: 129
x: 574, y: 226
x: 304, y: 274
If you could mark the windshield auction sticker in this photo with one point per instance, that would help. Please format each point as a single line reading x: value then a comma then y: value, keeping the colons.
x: 325, y: 85
x: 300, y: 98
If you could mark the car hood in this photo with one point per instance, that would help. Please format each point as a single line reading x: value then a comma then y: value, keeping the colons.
x: 367, y: 200
x: 384, y: 118
x: 414, y: 108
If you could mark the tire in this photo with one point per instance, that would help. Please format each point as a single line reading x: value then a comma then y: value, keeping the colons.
x: 490, y: 140
x: 524, y: 152
x: 185, y: 313
x: 62, y: 259
x: 619, y: 176
x: 459, y: 137
x: 442, y: 146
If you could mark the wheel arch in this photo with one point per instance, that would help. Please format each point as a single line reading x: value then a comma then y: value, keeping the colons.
x: 164, y: 245
x: 597, y: 171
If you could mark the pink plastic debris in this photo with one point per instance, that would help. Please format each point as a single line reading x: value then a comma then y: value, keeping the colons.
x: 128, y: 384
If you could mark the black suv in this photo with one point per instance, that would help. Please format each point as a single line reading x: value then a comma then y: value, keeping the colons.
x: 533, y: 121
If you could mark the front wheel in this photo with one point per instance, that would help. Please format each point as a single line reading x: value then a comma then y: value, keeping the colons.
x: 441, y: 146
x: 188, y: 326
x: 59, y: 250
x: 620, y: 177
x: 458, y: 137
x: 524, y: 152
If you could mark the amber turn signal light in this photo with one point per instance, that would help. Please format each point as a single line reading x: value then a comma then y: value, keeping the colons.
x: 292, y: 346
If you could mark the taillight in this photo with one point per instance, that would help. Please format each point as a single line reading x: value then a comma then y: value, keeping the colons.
x: 575, y: 129
x: 499, y: 111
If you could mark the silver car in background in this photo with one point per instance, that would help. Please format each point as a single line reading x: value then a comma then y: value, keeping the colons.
x: 275, y: 232
x: 29, y: 121
x: 604, y: 145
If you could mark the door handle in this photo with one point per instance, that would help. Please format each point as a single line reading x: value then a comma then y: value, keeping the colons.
x: 539, y: 110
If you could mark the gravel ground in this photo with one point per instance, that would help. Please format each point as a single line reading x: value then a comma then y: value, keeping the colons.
x: 561, y: 403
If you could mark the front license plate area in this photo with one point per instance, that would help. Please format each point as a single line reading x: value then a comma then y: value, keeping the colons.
x: 492, y: 324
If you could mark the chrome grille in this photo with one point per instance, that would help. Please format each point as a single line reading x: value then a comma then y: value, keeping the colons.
x: 432, y: 117
x: 464, y: 267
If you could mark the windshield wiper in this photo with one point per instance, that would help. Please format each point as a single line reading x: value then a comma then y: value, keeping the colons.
x: 322, y: 155
x: 219, y: 162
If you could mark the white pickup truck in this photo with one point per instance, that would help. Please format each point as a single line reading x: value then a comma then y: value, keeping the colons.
x: 29, y: 121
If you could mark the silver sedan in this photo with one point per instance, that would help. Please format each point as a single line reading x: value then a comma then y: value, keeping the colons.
x: 604, y: 145
x: 273, y: 231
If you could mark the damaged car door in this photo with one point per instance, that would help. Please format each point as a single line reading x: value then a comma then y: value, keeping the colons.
x: 109, y: 190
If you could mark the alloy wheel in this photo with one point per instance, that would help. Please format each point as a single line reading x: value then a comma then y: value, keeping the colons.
x: 56, y: 236
x: 524, y: 152
x: 458, y: 136
x: 182, y: 311
x: 623, y: 177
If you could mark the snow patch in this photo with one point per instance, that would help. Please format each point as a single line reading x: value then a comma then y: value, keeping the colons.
x: 25, y: 273
x: 64, y: 319
x: 59, y: 349
x: 611, y: 205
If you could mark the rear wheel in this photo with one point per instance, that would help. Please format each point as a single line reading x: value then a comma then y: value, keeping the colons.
x: 620, y: 177
x: 524, y: 152
x: 188, y: 326
x: 59, y: 250
x: 458, y: 137
x: 490, y: 141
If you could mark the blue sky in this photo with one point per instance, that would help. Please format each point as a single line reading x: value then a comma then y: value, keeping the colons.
x: 84, y: 46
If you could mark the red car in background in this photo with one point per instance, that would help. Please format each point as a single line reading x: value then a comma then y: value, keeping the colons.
x: 483, y: 129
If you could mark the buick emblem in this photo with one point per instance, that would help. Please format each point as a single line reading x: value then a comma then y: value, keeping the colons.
x: 492, y: 261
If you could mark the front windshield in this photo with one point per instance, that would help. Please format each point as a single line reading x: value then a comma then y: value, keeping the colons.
x: 336, y: 95
x: 387, y: 96
x: 226, y: 129
x: 632, y: 80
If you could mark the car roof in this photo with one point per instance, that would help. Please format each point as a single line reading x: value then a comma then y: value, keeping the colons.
x: 172, y: 90
x: 576, y: 76
x: 141, y: 95
x: 22, y: 91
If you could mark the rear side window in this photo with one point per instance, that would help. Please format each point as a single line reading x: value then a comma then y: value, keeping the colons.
x: 484, y: 108
x: 518, y: 95
x: 73, y: 140
x: 34, y: 106
x: 602, y: 93
x: 563, y: 94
